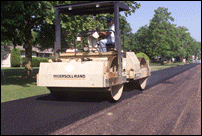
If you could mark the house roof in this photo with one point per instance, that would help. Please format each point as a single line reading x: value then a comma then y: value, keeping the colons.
x: 49, y: 50
x: 34, y: 49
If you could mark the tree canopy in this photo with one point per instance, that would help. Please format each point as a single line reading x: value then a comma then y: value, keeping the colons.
x: 30, y: 23
x: 20, y: 18
x: 164, y: 39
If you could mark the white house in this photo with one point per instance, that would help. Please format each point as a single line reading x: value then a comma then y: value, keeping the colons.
x: 36, y: 52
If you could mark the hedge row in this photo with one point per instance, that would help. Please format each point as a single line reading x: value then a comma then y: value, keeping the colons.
x: 36, y: 61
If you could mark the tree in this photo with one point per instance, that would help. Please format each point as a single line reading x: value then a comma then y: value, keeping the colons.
x: 162, y: 15
x: 160, y: 40
x: 19, y: 19
x: 11, y: 23
x: 188, y: 46
x: 163, y: 39
x: 133, y: 7
x: 124, y: 26
x: 140, y: 41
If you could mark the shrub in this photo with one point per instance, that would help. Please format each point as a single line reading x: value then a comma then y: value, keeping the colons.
x: 23, y: 61
x: 15, y: 57
x: 44, y: 60
x: 50, y: 58
x: 141, y: 54
x: 35, y: 61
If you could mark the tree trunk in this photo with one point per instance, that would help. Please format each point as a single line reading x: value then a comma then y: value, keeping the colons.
x: 181, y: 59
x: 28, y: 51
x: 28, y: 61
x: 162, y: 62
x: 169, y: 61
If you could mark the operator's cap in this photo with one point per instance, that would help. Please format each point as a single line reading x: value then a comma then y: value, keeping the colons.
x: 109, y: 20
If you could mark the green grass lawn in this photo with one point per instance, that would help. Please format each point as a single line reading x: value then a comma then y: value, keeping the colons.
x: 158, y: 66
x: 16, y: 88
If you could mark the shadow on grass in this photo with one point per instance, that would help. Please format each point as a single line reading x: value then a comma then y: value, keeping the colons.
x: 13, y: 77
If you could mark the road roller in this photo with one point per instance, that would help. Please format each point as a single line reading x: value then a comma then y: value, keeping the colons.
x: 87, y: 68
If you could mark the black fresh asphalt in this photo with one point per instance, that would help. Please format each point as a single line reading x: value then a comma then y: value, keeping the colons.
x: 43, y: 114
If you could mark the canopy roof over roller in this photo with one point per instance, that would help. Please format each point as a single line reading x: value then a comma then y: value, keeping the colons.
x: 92, y: 7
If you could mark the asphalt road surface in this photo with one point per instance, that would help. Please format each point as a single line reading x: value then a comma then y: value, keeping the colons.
x: 170, y: 104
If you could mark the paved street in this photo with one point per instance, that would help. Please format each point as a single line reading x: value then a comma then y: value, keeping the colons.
x: 170, y: 104
x: 172, y: 107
